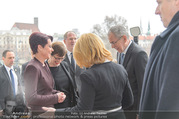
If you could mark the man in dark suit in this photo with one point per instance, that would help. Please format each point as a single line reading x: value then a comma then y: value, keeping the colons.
x: 134, y: 60
x: 70, y: 38
x: 10, y: 84
x: 159, y: 97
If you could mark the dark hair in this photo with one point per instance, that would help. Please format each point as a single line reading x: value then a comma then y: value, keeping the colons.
x: 7, y: 111
x: 5, y: 52
x: 21, y: 106
x: 59, y: 48
x: 38, y: 38
x: 65, y: 35
x: 9, y: 98
x: 20, y: 109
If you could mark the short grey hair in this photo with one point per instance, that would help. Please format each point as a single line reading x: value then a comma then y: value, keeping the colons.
x: 118, y: 31
x: 66, y: 34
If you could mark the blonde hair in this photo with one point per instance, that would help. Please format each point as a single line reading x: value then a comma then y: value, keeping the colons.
x: 89, y: 50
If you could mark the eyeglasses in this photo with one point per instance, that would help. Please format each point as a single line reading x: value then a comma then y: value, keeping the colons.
x: 59, y: 58
x: 113, y: 43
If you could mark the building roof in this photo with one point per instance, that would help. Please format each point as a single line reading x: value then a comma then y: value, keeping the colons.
x: 26, y: 26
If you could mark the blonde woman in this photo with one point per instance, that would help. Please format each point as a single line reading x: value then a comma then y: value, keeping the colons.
x: 105, y: 86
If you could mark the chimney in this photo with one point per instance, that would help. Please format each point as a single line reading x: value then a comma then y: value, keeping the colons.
x: 36, y: 21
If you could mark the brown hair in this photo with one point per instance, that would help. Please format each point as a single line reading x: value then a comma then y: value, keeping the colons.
x: 59, y: 48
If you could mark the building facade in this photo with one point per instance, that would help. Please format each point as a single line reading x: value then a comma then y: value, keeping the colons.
x: 16, y: 40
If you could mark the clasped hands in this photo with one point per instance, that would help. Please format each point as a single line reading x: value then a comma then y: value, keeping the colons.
x: 61, y: 97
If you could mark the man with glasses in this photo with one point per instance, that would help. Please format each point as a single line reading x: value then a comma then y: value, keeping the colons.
x: 134, y: 60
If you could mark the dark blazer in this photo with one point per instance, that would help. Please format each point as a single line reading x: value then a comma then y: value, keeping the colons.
x: 64, y: 83
x: 161, y: 79
x: 135, y: 62
x: 39, y: 86
x: 104, y: 87
x: 75, y: 73
x: 6, y: 86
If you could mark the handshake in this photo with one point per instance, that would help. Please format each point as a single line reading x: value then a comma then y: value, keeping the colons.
x: 61, y: 97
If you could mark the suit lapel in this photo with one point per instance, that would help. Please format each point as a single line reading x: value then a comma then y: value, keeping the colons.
x: 7, y: 77
x: 68, y: 61
x: 127, y: 55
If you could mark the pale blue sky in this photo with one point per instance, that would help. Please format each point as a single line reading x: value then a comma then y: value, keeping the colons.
x: 58, y: 16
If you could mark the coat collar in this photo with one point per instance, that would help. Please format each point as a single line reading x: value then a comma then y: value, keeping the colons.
x: 173, y: 24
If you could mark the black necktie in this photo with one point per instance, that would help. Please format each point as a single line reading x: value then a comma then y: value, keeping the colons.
x: 72, y: 61
x: 13, y: 82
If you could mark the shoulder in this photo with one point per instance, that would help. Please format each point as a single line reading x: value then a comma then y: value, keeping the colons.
x: 118, y: 67
x: 101, y: 71
x: 175, y: 34
x: 137, y: 50
x: 33, y: 65
x: 64, y: 63
x: 25, y: 64
x: 104, y: 67
x: 1, y: 67
x: 66, y: 59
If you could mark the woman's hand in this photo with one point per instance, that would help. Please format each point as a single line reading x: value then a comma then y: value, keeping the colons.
x: 1, y: 112
x: 61, y: 97
x: 49, y: 109
x: 49, y: 114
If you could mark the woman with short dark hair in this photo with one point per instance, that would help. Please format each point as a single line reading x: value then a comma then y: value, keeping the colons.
x: 61, y: 74
x: 39, y: 83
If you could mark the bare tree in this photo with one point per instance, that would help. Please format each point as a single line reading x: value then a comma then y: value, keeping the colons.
x: 102, y: 29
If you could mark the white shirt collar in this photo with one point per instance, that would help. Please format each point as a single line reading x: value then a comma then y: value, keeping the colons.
x: 68, y: 53
x: 125, y: 51
x: 9, y: 68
